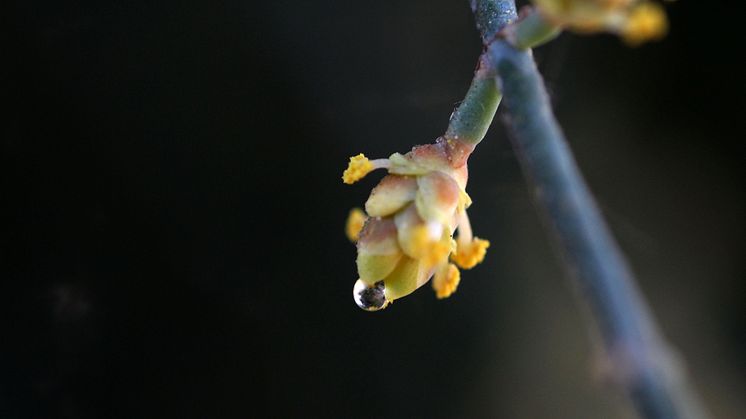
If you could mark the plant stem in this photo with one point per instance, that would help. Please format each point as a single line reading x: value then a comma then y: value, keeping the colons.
x: 532, y: 30
x: 638, y: 358
x: 471, y: 120
x: 492, y: 16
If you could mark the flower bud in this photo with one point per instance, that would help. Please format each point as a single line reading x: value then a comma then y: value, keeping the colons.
x: 413, y: 214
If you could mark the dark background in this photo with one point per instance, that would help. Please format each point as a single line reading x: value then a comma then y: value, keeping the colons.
x: 172, y: 232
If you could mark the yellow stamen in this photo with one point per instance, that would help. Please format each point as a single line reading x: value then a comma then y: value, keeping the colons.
x: 437, y: 253
x: 446, y: 281
x: 355, y: 222
x: 645, y: 22
x: 469, y: 254
x: 357, y: 169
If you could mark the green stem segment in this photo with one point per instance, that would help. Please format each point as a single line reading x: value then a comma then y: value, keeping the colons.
x: 532, y: 30
x: 470, y: 121
x: 473, y: 117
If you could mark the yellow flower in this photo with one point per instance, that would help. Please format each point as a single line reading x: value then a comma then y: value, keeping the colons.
x: 636, y: 21
x: 412, y: 215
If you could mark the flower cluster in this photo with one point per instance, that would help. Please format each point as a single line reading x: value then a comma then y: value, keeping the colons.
x: 405, y: 236
x: 636, y: 21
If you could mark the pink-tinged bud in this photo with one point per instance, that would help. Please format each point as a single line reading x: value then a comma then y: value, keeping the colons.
x: 378, y: 250
x: 373, y: 268
x: 378, y: 236
x: 421, y: 160
x: 405, y: 279
x: 415, y: 236
x: 391, y: 195
x: 437, y: 198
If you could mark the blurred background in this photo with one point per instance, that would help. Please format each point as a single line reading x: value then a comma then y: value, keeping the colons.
x: 172, y: 233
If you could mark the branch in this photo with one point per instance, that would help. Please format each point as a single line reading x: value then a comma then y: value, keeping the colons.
x: 640, y: 360
x: 470, y: 121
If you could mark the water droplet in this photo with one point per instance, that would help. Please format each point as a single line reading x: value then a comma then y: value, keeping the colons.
x: 369, y: 298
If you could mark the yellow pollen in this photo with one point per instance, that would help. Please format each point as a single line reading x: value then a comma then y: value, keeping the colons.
x: 645, y: 22
x: 355, y: 222
x: 437, y: 253
x: 468, y: 255
x: 357, y: 169
x: 446, y: 281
